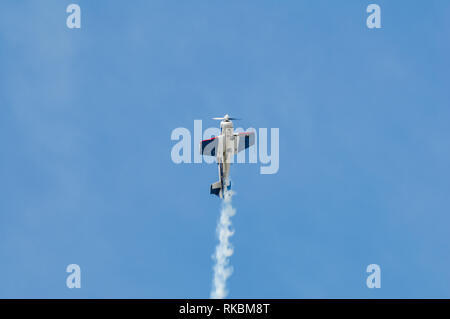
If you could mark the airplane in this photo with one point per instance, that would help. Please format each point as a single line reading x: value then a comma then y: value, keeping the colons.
x: 224, y: 147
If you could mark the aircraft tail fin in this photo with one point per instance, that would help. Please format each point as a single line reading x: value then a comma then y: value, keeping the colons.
x: 217, y: 190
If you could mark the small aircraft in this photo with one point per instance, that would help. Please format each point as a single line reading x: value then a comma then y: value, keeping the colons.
x: 224, y: 147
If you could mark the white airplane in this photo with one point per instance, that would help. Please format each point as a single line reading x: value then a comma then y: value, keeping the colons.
x: 224, y: 147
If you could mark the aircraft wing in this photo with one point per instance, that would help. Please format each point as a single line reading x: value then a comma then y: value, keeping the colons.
x: 208, y: 147
x: 244, y: 140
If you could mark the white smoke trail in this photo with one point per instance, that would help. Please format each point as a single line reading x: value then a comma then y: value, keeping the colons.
x: 224, y: 250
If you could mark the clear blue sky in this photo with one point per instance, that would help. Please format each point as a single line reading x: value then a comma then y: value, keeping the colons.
x: 85, y: 169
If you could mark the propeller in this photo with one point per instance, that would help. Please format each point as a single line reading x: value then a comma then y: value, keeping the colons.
x: 225, y: 118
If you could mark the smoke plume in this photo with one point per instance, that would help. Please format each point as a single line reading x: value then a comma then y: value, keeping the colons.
x: 224, y: 249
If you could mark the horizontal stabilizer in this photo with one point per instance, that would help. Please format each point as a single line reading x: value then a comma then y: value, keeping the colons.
x: 216, y: 189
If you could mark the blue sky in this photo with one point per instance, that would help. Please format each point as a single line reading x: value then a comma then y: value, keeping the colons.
x: 86, y: 175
